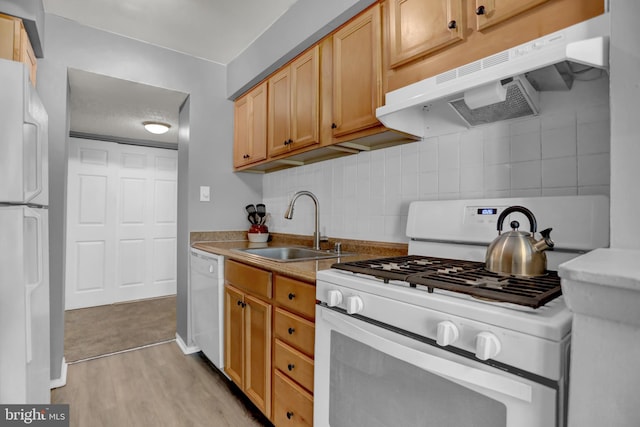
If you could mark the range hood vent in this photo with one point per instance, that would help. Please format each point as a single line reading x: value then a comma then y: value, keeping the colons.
x: 517, y: 99
x: 502, y: 86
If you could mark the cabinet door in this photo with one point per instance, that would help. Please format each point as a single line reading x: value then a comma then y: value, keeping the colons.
x: 8, y: 29
x: 234, y: 334
x: 305, y: 96
x: 492, y: 12
x: 357, y: 73
x: 250, y: 127
x: 419, y: 27
x: 280, y: 112
x: 257, y: 384
x: 294, y: 112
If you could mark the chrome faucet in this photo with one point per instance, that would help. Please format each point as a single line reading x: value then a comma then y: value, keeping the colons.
x: 288, y: 214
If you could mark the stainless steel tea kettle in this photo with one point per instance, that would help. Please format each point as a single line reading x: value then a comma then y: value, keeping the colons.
x: 517, y: 252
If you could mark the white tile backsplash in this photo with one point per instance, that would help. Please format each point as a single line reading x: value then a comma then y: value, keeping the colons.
x: 564, y: 151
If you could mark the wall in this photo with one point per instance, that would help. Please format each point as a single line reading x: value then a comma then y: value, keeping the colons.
x: 306, y: 22
x: 625, y: 147
x: 563, y: 151
x: 209, y: 154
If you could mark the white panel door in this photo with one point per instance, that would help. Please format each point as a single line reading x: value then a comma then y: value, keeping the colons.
x: 91, y: 228
x: 146, y: 227
x: 121, y: 223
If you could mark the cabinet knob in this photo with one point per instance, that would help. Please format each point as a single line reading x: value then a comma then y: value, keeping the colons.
x: 239, y: 302
x: 290, y: 141
x: 290, y: 366
x: 480, y: 10
x: 291, y: 331
x: 246, y: 156
x: 292, y: 295
x: 289, y: 414
x: 452, y: 25
x: 333, y: 125
x: 285, y: 142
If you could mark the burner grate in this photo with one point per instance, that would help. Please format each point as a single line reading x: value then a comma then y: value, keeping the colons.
x: 401, y: 268
x: 528, y: 291
x: 468, y: 277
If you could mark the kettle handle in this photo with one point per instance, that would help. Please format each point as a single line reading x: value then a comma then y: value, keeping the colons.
x: 532, y: 219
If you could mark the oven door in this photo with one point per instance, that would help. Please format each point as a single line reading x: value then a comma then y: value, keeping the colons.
x: 367, y: 375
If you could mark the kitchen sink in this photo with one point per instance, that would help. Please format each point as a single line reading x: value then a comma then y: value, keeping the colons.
x: 290, y: 254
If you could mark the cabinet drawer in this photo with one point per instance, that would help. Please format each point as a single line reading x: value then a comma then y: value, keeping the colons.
x: 293, y: 406
x: 298, y: 366
x: 248, y: 278
x: 296, y: 295
x: 295, y: 331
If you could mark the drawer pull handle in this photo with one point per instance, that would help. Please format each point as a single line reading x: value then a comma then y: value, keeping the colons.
x: 289, y: 415
x: 290, y: 366
x: 291, y: 331
x: 292, y: 295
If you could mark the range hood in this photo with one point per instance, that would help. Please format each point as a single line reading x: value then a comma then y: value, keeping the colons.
x: 501, y: 86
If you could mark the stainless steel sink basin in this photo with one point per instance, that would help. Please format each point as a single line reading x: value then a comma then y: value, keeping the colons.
x: 290, y: 254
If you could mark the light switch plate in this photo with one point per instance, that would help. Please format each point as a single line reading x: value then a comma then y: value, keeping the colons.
x: 205, y: 194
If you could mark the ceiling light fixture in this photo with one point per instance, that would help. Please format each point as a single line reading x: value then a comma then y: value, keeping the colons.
x: 157, y: 128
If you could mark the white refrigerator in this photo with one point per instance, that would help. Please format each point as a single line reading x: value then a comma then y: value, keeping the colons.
x: 24, y: 241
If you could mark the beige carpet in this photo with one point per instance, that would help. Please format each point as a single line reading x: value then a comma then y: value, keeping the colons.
x: 96, y: 331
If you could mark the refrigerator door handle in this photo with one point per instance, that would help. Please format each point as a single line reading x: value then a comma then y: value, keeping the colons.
x: 31, y: 287
x: 32, y: 137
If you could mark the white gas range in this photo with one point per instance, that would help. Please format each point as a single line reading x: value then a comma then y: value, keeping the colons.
x: 455, y: 344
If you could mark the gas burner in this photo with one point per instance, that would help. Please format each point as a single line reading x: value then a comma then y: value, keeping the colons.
x: 468, y: 277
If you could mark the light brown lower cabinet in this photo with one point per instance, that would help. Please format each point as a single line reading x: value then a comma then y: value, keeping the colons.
x: 247, y: 338
x: 293, y: 405
x: 269, y: 341
x: 293, y: 350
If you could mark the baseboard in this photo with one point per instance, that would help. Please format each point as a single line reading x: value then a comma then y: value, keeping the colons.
x: 185, y: 348
x: 62, y: 381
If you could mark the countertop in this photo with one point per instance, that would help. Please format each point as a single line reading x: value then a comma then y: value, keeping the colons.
x: 301, y: 270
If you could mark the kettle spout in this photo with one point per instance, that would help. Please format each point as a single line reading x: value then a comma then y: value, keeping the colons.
x: 546, y: 242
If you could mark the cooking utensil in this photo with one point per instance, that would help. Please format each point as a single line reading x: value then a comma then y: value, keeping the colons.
x: 253, y: 217
x: 517, y: 252
x: 261, y: 211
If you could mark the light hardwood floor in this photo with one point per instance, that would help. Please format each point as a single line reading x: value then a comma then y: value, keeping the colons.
x: 152, y: 386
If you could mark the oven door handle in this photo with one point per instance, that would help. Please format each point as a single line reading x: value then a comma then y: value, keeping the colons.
x: 437, y: 365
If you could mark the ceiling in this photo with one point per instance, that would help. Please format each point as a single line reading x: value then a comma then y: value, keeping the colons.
x: 215, y: 30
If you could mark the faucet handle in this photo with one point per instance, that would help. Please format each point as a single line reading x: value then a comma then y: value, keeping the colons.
x: 337, y: 247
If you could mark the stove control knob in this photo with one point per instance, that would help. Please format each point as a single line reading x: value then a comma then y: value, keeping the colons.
x: 487, y: 346
x: 354, y: 304
x: 447, y: 333
x: 334, y: 297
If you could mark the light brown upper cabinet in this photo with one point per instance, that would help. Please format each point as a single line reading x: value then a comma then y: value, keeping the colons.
x: 250, y: 127
x: 486, y: 27
x: 294, y: 111
x: 492, y: 12
x: 357, y: 73
x: 15, y: 44
x: 419, y: 27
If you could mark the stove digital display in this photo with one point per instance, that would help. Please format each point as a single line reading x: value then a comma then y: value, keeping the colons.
x: 487, y: 211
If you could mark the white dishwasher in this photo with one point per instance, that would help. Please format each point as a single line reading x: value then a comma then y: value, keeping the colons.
x: 207, y: 299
